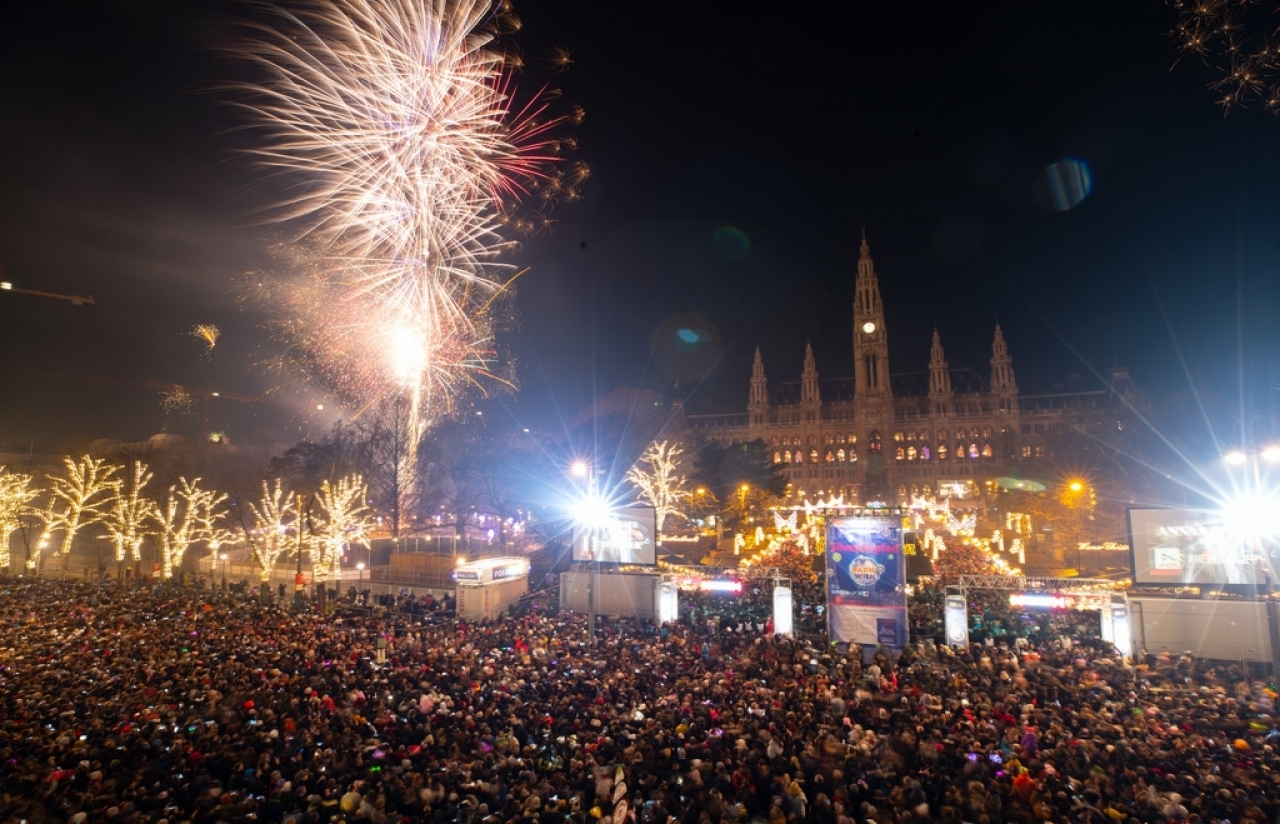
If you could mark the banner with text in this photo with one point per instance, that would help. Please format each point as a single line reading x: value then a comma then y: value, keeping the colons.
x: 866, y: 581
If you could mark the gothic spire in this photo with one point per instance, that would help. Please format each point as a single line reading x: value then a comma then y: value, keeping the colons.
x: 809, y: 379
x: 939, y: 375
x: 1002, y: 379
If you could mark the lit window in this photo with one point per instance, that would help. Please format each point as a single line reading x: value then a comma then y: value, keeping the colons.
x: 813, y: 456
x: 924, y: 435
x: 942, y: 434
x: 831, y: 456
x: 898, y: 436
x: 925, y: 454
x: 840, y: 456
x: 788, y: 456
x: 973, y: 451
x: 1026, y: 452
x: 986, y: 450
x: 912, y: 454
x: 942, y: 451
x: 853, y: 456
x: 899, y: 453
x: 912, y: 435
x: 986, y: 432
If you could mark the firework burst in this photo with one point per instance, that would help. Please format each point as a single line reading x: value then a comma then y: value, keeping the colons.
x: 395, y: 131
x: 208, y: 334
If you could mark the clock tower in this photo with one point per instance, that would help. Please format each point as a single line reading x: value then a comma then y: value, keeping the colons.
x: 870, y: 341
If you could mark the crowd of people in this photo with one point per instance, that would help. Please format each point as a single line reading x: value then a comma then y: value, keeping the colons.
x: 121, y: 704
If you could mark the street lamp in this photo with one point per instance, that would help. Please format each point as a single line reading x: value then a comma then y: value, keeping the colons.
x: 360, y: 586
x: 224, y: 557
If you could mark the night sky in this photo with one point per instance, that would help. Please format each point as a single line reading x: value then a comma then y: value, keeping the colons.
x: 735, y: 158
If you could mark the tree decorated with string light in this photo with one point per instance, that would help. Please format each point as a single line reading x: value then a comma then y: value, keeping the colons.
x: 273, y: 515
x: 80, y: 498
x: 16, y: 494
x: 345, y: 521
x: 657, y: 478
x: 131, y: 514
x: 190, y: 515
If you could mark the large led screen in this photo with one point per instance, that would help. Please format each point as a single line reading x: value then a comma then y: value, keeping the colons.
x: 1192, y: 546
x: 626, y: 537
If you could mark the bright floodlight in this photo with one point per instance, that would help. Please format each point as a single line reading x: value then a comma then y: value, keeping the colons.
x: 591, y: 512
x: 1235, y: 457
x: 1252, y: 516
x: 1076, y: 486
x: 1271, y: 454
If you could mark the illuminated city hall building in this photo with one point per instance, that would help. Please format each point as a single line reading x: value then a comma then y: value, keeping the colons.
x: 878, y: 437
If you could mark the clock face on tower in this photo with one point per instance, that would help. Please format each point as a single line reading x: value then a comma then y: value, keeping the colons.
x: 868, y: 327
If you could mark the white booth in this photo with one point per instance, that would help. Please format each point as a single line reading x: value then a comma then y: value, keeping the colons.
x: 487, y: 586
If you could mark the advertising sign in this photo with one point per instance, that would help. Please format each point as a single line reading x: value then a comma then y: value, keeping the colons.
x: 627, y: 537
x: 956, y: 613
x: 1193, y: 546
x: 866, y: 581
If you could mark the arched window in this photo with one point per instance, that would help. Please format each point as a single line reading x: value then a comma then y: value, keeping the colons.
x: 799, y: 456
x: 942, y: 451
x: 925, y: 454
x: 986, y: 432
x: 840, y: 438
x: 899, y: 453
x: 912, y: 454
x: 777, y: 457
x: 775, y: 440
x: 960, y: 450
x: 853, y: 439
x: 875, y: 445
x: 840, y: 455
x: 973, y: 451
x: 788, y: 456
x: 898, y: 436
x: 942, y: 434
x: 986, y: 450
x: 830, y: 456
x: 813, y: 440
x: 924, y: 434
x: 973, y: 433
x: 913, y: 435
x: 853, y: 455
x: 828, y: 440
x: 813, y: 456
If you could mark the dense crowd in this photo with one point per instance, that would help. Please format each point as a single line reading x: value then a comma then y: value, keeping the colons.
x: 130, y: 705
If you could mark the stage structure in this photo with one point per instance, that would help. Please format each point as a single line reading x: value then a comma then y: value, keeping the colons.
x: 866, y: 580
x: 488, y: 585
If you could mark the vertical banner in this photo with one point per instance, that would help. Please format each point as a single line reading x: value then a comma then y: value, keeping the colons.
x: 783, y: 623
x: 1108, y: 627
x: 956, y: 612
x: 1120, y: 629
x: 668, y: 603
x: 866, y: 581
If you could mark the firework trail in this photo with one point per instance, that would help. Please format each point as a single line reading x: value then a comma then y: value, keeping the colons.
x: 393, y: 127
